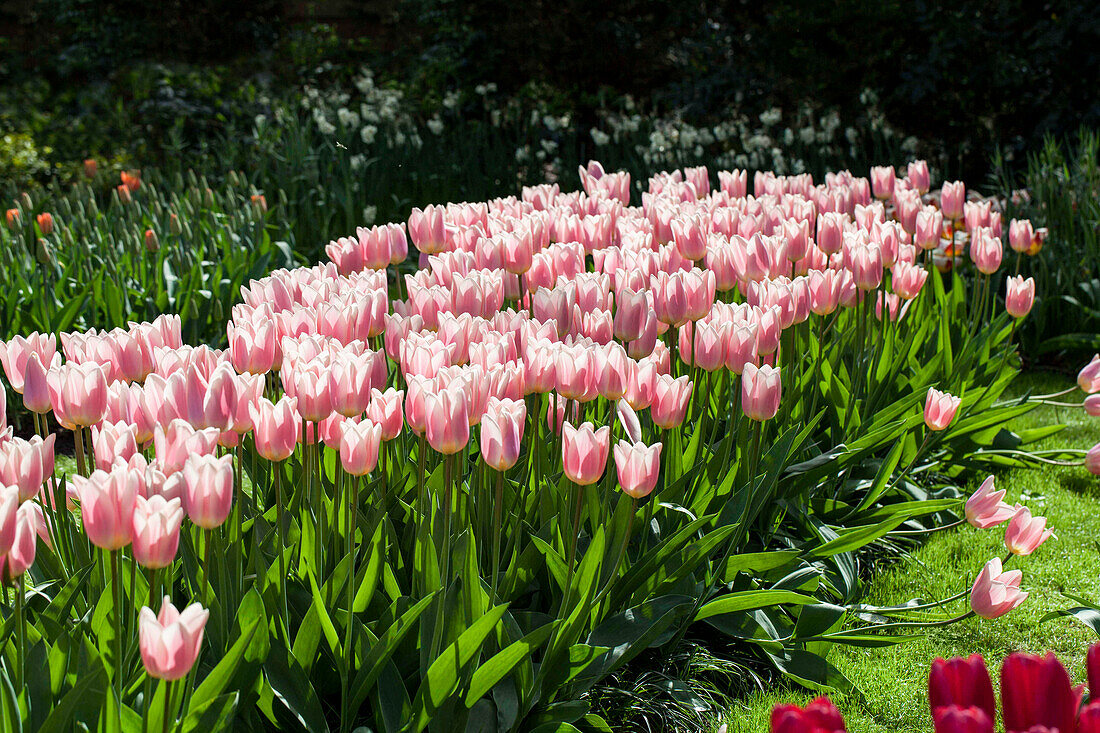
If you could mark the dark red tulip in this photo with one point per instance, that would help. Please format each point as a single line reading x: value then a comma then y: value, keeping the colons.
x: 1089, y: 720
x: 1092, y: 664
x: 1036, y: 691
x: 820, y: 716
x: 958, y: 719
x: 962, y: 682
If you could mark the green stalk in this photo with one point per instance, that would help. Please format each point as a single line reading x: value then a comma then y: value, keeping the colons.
x: 576, y: 530
x: 116, y: 586
x: 494, y: 567
x: 445, y: 558
x: 345, y: 701
x: 21, y: 625
x: 167, y: 706
x: 81, y: 463
x: 279, y: 547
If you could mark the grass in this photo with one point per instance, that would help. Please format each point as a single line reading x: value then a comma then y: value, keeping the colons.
x: 893, y: 680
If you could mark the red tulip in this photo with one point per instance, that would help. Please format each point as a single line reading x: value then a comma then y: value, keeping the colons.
x: 1036, y: 691
x: 957, y: 719
x: 820, y: 716
x: 961, y: 682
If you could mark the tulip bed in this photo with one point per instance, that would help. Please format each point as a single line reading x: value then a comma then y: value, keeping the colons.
x: 463, y: 499
x: 105, y: 253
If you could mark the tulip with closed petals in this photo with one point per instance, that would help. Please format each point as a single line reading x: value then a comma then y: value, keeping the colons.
x: 1092, y: 405
x: 208, y: 490
x: 1088, y: 379
x: 1019, y: 296
x: 78, y: 394
x: 36, y: 390
x: 638, y: 466
x: 19, y: 555
x: 359, y: 446
x: 170, y: 642
x: 820, y: 716
x: 276, y: 428
x: 501, y: 436
x: 957, y: 719
x: 962, y: 682
x: 952, y: 198
x: 986, y: 507
x: 1037, y: 691
x: 1092, y: 460
x: 384, y: 410
x: 761, y: 390
x: 1025, y: 533
x: 882, y: 182
x: 26, y: 464
x: 1020, y: 235
x: 995, y: 592
x: 113, y: 441
x: 14, y: 355
x: 447, y: 419
x: 107, y: 506
x: 156, y: 530
x: 584, y: 452
x: 9, y: 505
x: 179, y: 441
x: 940, y: 409
x: 670, y: 401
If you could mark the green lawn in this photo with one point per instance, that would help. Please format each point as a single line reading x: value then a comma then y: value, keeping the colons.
x: 893, y: 679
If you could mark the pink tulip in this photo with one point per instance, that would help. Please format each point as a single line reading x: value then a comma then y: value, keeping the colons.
x: 384, y: 410
x: 576, y: 370
x: 918, y: 175
x: 107, y: 503
x: 170, y: 642
x: 26, y: 464
x: 208, y: 490
x: 359, y: 446
x: 78, y: 394
x: 940, y: 409
x: 501, y: 436
x: 761, y: 390
x: 15, y: 353
x: 631, y: 312
x: 1025, y: 533
x: 929, y: 228
x: 986, y: 507
x: 690, y: 238
x: 426, y: 229
x: 1088, y: 379
x: 986, y: 250
x: 1020, y: 235
x: 670, y: 298
x: 36, y: 390
x: 1019, y: 296
x: 312, y: 389
x: 276, y: 428
x: 908, y: 280
x: 882, y: 182
x: 952, y: 197
x: 111, y: 442
x: 20, y: 554
x: 830, y: 229
x: 447, y: 419
x: 995, y: 593
x: 1092, y: 405
x: 156, y: 530
x: 638, y: 467
x: 641, y: 384
x: 1092, y: 460
x: 179, y: 441
x: 252, y: 348
x: 9, y: 506
x: 351, y: 379
x: 866, y: 265
x: 670, y: 401
x: 584, y: 452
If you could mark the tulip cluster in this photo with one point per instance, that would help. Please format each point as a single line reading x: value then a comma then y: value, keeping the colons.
x: 1037, y: 695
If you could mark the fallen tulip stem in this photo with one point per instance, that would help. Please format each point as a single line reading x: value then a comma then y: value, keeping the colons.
x: 915, y: 532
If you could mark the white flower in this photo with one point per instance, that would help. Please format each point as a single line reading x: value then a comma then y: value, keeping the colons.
x: 771, y: 116
x: 599, y: 136
x: 347, y: 118
x: 357, y: 161
x: 435, y: 125
x: 368, y: 133
x: 369, y: 214
x: 450, y: 100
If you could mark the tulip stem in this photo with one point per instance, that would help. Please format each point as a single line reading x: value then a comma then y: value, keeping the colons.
x: 78, y: 440
x: 887, y: 609
x: 577, y: 498
x: 915, y: 532
x: 498, y: 500
x: 445, y: 560
x: 891, y: 625
x: 279, y: 546
x: 350, y: 486
x: 21, y: 624
x: 116, y: 586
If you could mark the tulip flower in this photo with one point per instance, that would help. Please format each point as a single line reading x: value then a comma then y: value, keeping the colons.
x: 882, y: 182
x: 670, y: 401
x: 36, y: 391
x: 9, y: 506
x: 384, y: 410
x: 111, y: 442
x: 359, y: 446
x: 584, y: 452
x: 986, y: 507
x: 761, y: 390
x: 940, y: 409
x: 78, y: 394
x: 156, y: 530
x: 995, y: 593
x: 501, y: 436
x: 952, y: 198
x: 1025, y: 533
x: 1092, y: 667
x: 447, y: 419
x: 208, y: 490
x: 956, y: 719
x: 918, y: 175
x: 638, y: 467
x: 170, y: 641
x: 179, y: 441
x: 276, y: 428
x: 1036, y: 691
x: 14, y: 355
x: 19, y: 555
x: 628, y: 419
x: 107, y: 503
x: 1019, y: 296
x: 962, y: 682
x: 26, y: 464
x: 1092, y: 460
x: 1089, y: 719
x: 986, y: 250
x: 1092, y: 405
x: 1088, y: 379
x: 1020, y: 235
x: 820, y: 716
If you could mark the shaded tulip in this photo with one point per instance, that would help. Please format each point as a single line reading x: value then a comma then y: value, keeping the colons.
x: 1092, y: 460
x: 986, y: 507
x: 359, y: 446
x: 761, y: 390
x: 994, y: 592
x: 820, y: 716
x: 1088, y: 379
x: 24, y: 543
x: 208, y: 489
x: 638, y: 466
x: 156, y: 530
x: 1092, y: 405
x: 170, y: 642
x: 1019, y: 296
x: 940, y: 409
x: 1036, y: 691
x: 1025, y: 533
x: 584, y: 452
x: 276, y: 428
x: 962, y: 682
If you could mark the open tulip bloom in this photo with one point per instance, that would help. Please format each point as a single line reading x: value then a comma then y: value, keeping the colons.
x: 585, y: 422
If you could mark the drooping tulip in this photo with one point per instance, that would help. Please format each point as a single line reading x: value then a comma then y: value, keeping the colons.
x: 940, y: 409
x: 584, y: 452
x: 1088, y: 379
x: 170, y: 641
x: 995, y: 592
x: 986, y: 507
x: 1025, y: 533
